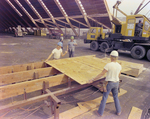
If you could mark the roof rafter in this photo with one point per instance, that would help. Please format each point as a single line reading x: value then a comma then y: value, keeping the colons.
x: 15, y: 16
x: 65, y: 22
x: 10, y: 18
x: 58, y: 24
x: 81, y: 8
x: 4, y: 25
x: 98, y: 22
x: 20, y: 5
x: 13, y: 7
x: 65, y: 15
x: 49, y: 14
x: 108, y: 11
x: 36, y: 12
x: 79, y: 22
x: 81, y: 16
x: 47, y: 24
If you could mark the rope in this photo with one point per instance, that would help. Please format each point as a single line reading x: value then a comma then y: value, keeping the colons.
x: 4, y: 115
x: 29, y: 109
x: 34, y: 111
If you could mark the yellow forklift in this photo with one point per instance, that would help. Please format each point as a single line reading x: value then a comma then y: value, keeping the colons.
x: 125, y: 36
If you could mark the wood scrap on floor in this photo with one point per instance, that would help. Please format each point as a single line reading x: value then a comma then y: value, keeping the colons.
x: 83, y: 107
x: 135, y: 113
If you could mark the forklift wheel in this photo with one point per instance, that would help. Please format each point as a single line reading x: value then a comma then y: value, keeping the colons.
x: 148, y: 54
x: 94, y: 45
x: 138, y: 52
x: 104, y: 47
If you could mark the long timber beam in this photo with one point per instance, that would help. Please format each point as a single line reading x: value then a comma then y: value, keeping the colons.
x: 44, y: 96
x: 31, y: 86
x: 26, y: 75
x: 22, y: 67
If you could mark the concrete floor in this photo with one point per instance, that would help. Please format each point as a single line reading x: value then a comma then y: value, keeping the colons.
x: 28, y: 49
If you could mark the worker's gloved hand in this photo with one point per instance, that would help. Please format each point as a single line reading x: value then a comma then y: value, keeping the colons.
x: 90, y: 81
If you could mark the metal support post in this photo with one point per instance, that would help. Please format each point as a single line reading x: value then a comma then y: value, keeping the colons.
x: 55, y: 103
x: 69, y: 82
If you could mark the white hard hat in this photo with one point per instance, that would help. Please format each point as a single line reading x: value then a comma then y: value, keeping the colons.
x: 114, y: 53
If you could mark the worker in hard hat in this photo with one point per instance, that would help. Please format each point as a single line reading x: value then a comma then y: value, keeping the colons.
x: 57, y: 52
x: 61, y: 40
x: 113, y: 70
x: 71, y: 46
x: 61, y: 37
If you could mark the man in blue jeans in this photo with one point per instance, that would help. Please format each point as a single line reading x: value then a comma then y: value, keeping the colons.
x: 71, y: 46
x: 113, y: 70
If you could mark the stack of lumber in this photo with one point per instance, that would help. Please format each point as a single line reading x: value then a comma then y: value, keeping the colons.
x: 26, y: 78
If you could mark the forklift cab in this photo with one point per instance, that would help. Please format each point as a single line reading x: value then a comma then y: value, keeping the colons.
x: 94, y: 33
x: 129, y: 28
x: 138, y: 27
x: 133, y: 29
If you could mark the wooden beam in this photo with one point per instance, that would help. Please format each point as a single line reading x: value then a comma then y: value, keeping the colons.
x: 4, y: 22
x: 135, y: 113
x: 43, y: 97
x: 20, y: 5
x: 2, y: 11
x: 24, y: 102
x: 30, y: 86
x: 108, y: 11
x: 66, y: 17
x: 65, y: 22
x: 98, y: 22
x: 38, y: 15
x: 52, y: 22
x: 84, y: 15
x: 49, y: 14
x: 78, y: 22
x: 15, y: 16
x: 47, y: 24
x: 50, y: 25
x: 21, y: 67
x: 4, y: 25
x: 26, y: 75
x: 40, y: 98
x: 79, y: 16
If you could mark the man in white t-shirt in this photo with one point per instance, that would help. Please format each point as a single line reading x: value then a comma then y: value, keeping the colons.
x: 113, y: 70
x: 57, y: 52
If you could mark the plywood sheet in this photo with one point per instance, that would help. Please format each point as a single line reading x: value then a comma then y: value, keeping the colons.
x: 135, y: 113
x: 80, y: 69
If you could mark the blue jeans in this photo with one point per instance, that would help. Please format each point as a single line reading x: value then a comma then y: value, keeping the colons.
x: 113, y: 87
x: 71, y: 53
